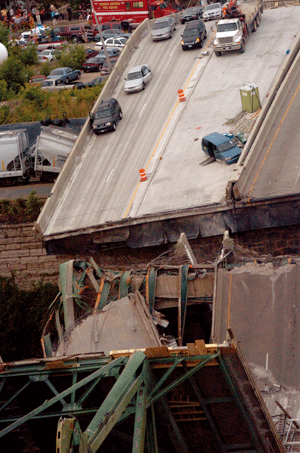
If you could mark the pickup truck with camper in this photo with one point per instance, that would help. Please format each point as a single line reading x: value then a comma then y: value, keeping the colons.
x: 223, y: 148
x: 77, y: 33
x: 44, y: 159
x: 238, y: 21
x: 54, y: 85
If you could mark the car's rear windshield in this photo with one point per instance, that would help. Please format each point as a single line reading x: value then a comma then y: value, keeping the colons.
x: 160, y: 25
x: 190, y: 32
x: 134, y: 75
x: 103, y: 114
x: 94, y: 60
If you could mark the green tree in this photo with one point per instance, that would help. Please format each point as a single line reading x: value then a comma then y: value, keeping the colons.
x: 3, y: 90
x: 4, y: 34
x: 28, y: 55
x: 23, y: 315
x: 72, y: 57
x: 13, y: 72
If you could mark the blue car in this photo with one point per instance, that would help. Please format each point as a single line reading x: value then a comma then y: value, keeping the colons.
x: 222, y: 147
x: 65, y: 75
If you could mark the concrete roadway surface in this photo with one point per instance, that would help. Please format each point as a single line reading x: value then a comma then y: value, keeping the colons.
x: 164, y: 136
x: 275, y: 169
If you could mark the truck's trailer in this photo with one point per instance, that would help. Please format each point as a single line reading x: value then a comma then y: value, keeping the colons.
x: 15, y: 162
x: 51, y: 151
x: 239, y: 21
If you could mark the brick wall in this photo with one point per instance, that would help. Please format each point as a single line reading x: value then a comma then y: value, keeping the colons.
x: 23, y: 256
x: 22, y: 253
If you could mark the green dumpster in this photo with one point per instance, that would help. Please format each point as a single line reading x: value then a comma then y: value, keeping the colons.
x: 250, y: 97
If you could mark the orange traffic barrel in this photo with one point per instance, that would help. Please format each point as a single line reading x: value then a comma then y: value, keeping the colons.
x: 143, y: 176
x: 181, y: 96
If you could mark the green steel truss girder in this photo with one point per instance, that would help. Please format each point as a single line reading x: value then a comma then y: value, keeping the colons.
x: 177, y: 361
x: 150, y: 288
x: 104, y: 371
x: 124, y: 399
x: 182, y: 301
x: 115, y: 403
x: 140, y: 421
x: 238, y: 402
x: 204, y: 360
x: 20, y: 390
x: 124, y: 286
x: 151, y: 431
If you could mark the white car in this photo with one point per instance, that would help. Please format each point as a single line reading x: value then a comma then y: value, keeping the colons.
x: 212, y: 11
x: 137, y: 78
x: 116, y: 42
x: 46, y: 55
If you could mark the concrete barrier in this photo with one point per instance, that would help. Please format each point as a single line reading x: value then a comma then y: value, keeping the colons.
x: 76, y: 153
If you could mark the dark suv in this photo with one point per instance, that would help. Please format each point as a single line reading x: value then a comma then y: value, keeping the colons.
x: 106, y: 116
x: 193, y: 35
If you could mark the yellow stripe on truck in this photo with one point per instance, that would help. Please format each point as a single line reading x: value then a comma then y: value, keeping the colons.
x: 3, y: 166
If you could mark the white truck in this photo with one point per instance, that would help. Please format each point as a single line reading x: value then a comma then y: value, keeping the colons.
x: 44, y: 160
x: 238, y: 21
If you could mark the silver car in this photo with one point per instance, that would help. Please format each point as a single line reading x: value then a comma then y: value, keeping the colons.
x: 212, y: 11
x: 137, y: 78
x: 163, y: 28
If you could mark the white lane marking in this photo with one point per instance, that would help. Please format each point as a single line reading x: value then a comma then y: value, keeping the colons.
x: 172, y: 50
x: 109, y: 175
x: 142, y: 109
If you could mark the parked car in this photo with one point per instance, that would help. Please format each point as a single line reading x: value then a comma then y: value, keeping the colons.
x: 212, y: 11
x: 117, y: 42
x: 163, y: 28
x: 90, y: 53
x: 95, y: 82
x: 112, y: 33
x: 46, y: 55
x: 111, y: 52
x: 66, y: 75
x: 137, y: 78
x: 193, y: 35
x: 193, y: 13
x: 93, y: 64
x: 105, y: 70
x: 107, y: 116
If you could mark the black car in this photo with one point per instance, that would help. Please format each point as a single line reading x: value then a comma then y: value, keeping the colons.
x: 97, y: 81
x: 193, y: 35
x: 193, y: 13
x: 106, y: 116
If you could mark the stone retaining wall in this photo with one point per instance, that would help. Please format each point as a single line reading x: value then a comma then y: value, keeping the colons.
x: 23, y: 256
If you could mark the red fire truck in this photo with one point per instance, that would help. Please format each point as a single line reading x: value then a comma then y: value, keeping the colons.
x: 130, y: 10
